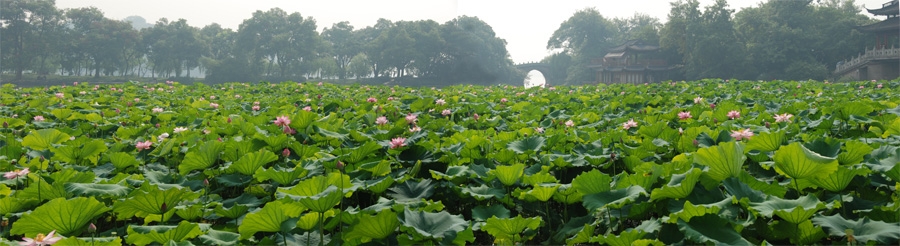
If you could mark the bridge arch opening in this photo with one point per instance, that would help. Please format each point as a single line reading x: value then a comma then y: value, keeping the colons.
x: 534, y: 78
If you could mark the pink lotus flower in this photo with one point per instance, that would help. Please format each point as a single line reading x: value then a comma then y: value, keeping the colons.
x: 285, y: 152
x: 570, y: 123
x: 214, y: 105
x: 415, y: 129
x: 137, y: 100
x: 256, y: 103
x: 288, y: 130
x: 237, y: 96
x: 157, y: 110
x: 282, y: 121
x: 163, y: 136
x: 16, y: 173
x: 783, y: 117
x: 39, y: 118
x: 629, y: 124
x: 733, y: 114
x: 741, y: 134
x: 75, y: 83
x: 476, y: 117
x: 143, y: 145
x: 83, y: 92
x: 698, y: 99
x: 372, y: 100
x: 179, y: 129
x: 411, y: 118
x: 539, y: 130
x: 503, y: 100
x: 684, y: 115
x: 398, y: 142
x: 445, y: 112
x: 440, y: 102
x: 862, y: 87
x: 212, y: 97
x: 878, y: 86
x: 60, y: 95
x: 381, y: 120
x: 255, y: 108
x: 307, y: 108
x: 41, y: 239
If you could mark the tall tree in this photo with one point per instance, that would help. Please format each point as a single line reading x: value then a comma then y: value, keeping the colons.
x: 473, y: 53
x: 584, y: 36
x: 344, y: 45
x: 31, y: 32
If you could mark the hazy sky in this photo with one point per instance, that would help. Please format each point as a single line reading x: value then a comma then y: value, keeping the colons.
x: 526, y: 25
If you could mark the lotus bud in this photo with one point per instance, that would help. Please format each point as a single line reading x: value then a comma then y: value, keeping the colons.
x: 219, y: 139
x: 286, y: 152
x: 157, y: 125
x: 42, y: 159
x: 715, y: 120
x: 613, y: 156
x: 118, y: 111
x: 229, y: 120
x: 712, y: 106
x: 129, y: 104
x: 5, y: 124
x: 164, y: 207
x: 767, y: 124
x: 206, y: 182
x: 696, y: 143
x: 340, y: 165
x: 319, y: 96
x: 92, y: 228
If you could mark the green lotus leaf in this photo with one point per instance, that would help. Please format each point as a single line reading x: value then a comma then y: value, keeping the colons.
x: 766, y: 141
x: 433, y: 225
x: 884, y: 159
x: 794, y: 211
x: 44, y: 139
x: 854, y: 108
x: 710, y: 228
x: 863, y: 230
x: 482, y: 213
x: 797, y: 162
x: 232, y: 212
x: 112, y: 190
x: 806, y: 233
x: 566, y: 194
x: 690, y: 211
x: 533, y: 143
x: 827, y: 147
x: 483, y: 192
x: 455, y: 174
x: 680, y: 186
x: 539, y: 192
x: 201, y: 158
x: 370, y: 227
x: 411, y: 191
x: 540, y: 177
x: 143, y: 235
x: 76, y: 154
x: 380, y: 185
x: 67, y: 217
x: 251, y: 162
x: 280, y: 175
x: 510, y: 228
x: 360, y: 153
x: 592, y: 182
x: 223, y: 238
x: 724, y: 160
x: 310, y: 220
x: 509, y: 175
x: 613, y: 198
x: 15, y: 204
x: 122, y: 160
x: 318, y: 202
x: 269, y: 218
x: 773, y: 189
x: 839, y: 180
x: 378, y: 169
x: 149, y: 200
x: 87, y: 241
x: 583, y: 236
x: 854, y: 152
x: 625, y: 238
x: 741, y: 190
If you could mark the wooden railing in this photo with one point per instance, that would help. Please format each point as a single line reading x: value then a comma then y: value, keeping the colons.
x: 873, y: 54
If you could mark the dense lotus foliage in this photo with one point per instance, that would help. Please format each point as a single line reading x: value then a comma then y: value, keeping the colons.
x: 703, y: 162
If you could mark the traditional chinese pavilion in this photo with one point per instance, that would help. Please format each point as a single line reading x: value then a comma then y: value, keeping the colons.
x: 882, y: 62
x: 634, y: 62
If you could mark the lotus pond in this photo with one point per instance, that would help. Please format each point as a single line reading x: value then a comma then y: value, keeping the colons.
x: 702, y: 162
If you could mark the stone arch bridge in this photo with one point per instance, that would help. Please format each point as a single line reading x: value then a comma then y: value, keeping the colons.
x: 551, y: 77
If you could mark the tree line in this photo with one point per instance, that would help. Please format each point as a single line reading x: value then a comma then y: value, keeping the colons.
x: 271, y: 45
x: 789, y: 40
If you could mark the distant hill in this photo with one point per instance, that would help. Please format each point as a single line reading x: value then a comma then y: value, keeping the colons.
x: 137, y: 22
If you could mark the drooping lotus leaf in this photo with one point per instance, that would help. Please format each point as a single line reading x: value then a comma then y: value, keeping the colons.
x: 533, y: 143
x: 680, y: 186
x: 863, y: 230
x: 87, y: 241
x: 122, y: 160
x: 143, y: 235
x: 112, y: 190
x: 613, y: 198
x: 411, y: 191
x: 269, y: 218
x: 509, y: 175
x: 794, y: 211
x: 482, y: 213
x: 839, y: 180
x: 310, y: 220
x: 766, y: 141
x: 67, y: 217
x: 284, y: 176
x: 592, y: 182
x: 455, y: 174
x: 854, y: 152
x: 854, y: 108
x: 15, y: 204
x: 724, y: 160
x: 483, y: 192
x: 149, y: 200
x: 372, y: 227
x: 797, y: 162
x: 510, y: 228
x: 44, y: 138
x: 77, y: 154
x: 379, y: 185
x: 223, y: 238
x: 251, y: 162
x: 201, y: 158
x: 318, y: 202
x: 710, y: 228
x: 433, y: 225
x: 741, y: 190
x: 690, y: 211
x: 541, y: 192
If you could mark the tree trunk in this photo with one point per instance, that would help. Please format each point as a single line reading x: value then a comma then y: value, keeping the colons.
x: 96, y: 68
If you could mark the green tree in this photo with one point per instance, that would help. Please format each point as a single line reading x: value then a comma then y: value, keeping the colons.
x: 31, y: 32
x: 344, y: 45
x: 584, y: 36
x: 360, y: 66
x: 474, y: 54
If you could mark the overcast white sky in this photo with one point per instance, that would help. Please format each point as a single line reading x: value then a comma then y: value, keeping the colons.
x: 526, y: 25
